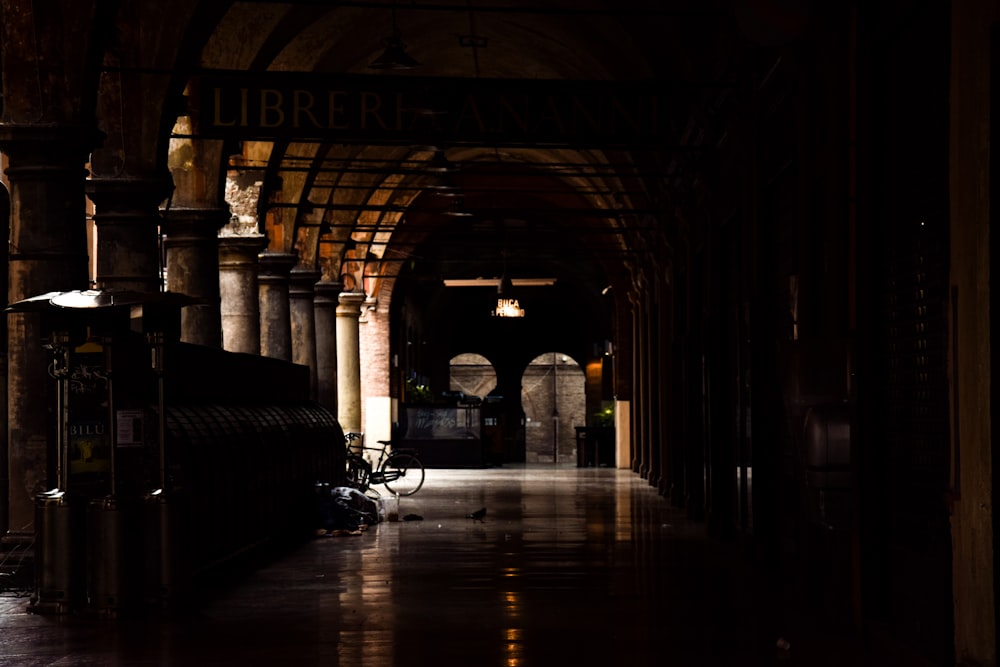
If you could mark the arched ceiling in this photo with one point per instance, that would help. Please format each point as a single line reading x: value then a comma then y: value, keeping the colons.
x: 590, y: 121
x: 358, y: 208
x: 323, y: 199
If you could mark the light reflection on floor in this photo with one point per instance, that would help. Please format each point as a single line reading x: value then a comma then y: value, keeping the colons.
x: 571, y: 567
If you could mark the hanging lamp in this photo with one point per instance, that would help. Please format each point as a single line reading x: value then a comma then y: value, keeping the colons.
x: 394, y: 57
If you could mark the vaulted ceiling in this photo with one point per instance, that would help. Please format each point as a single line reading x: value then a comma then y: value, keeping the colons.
x: 347, y: 196
x: 360, y: 202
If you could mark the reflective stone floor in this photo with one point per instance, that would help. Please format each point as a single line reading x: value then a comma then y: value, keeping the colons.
x: 570, y: 567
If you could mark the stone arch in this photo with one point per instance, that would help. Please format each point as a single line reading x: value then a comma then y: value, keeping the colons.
x: 472, y: 374
x: 553, y: 396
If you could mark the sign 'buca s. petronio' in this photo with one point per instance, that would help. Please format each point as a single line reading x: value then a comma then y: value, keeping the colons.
x: 394, y: 109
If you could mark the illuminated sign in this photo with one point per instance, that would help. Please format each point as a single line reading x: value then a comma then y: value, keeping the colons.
x: 508, y: 308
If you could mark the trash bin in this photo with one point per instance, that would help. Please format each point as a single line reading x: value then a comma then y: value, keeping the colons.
x: 582, y: 460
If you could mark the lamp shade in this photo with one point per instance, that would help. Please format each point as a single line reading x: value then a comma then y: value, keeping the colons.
x: 394, y: 57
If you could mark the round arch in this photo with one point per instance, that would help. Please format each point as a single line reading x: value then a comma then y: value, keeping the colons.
x: 473, y: 375
x: 553, y: 396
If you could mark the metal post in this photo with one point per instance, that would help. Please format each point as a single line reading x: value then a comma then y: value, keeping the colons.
x: 112, y: 423
x: 58, y: 521
x: 59, y: 371
x: 156, y: 341
x: 555, y: 413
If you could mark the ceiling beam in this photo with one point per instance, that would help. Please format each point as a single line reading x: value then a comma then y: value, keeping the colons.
x: 617, y: 9
x: 485, y: 212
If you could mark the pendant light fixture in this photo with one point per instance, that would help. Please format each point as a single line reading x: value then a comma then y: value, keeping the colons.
x: 394, y: 57
x: 507, y: 304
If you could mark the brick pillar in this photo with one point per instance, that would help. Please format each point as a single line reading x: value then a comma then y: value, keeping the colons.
x: 47, y: 252
x: 349, y: 361
x: 326, y: 343
x: 192, y: 243
x: 127, y: 217
x: 275, y: 315
x: 239, y: 292
x: 302, y: 310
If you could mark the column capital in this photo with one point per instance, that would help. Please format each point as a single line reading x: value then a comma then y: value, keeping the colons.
x: 128, y: 193
x: 48, y: 144
x: 302, y: 281
x: 350, y: 303
x: 327, y: 292
x: 276, y: 265
x: 193, y: 224
x: 237, y: 250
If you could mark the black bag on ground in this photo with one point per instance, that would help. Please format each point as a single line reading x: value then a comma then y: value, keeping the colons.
x: 344, y: 508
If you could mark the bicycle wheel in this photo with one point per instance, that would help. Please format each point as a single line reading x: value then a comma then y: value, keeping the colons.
x: 404, y: 474
x: 358, y: 473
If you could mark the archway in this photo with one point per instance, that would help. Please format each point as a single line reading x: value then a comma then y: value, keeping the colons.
x: 553, y: 395
x: 472, y: 374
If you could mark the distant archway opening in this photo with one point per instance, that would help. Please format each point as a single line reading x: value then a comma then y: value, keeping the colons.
x: 554, y: 401
x: 471, y: 374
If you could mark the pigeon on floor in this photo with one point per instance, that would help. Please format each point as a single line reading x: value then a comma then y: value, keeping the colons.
x: 478, y: 515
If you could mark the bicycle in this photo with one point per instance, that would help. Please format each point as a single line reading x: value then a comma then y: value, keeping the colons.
x: 398, y: 469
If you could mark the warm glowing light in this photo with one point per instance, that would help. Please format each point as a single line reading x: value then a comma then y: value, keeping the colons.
x: 513, y: 634
x: 508, y: 308
x: 512, y: 601
x: 512, y: 604
x: 513, y: 647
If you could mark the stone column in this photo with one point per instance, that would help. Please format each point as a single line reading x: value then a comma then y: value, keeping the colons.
x: 239, y: 292
x: 655, y: 351
x: 670, y: 447
x: 275, y: 316
x: 638, y: 380
x: 646, y: 357
x: 127, y: 218
x: 47, y: 252
x: 325, y: 305
x: 302, y: 310
x: 349, y: 361
x: 4, y: 481
x: 192, y: 244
